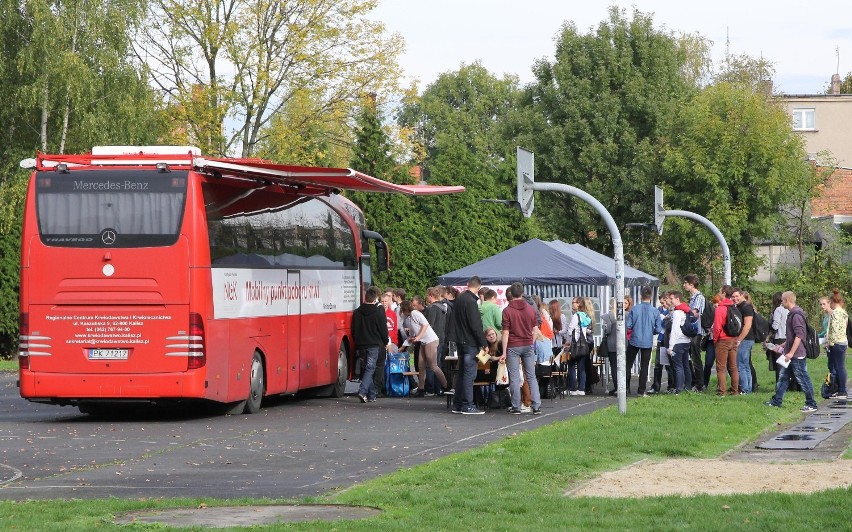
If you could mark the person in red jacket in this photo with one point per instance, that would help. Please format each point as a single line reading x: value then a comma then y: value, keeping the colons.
x: 726, y: 345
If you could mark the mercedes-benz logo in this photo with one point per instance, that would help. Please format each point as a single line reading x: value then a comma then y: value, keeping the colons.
x: 108, y: 237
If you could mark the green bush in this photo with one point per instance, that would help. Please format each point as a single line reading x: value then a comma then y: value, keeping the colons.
x: 817, y: 277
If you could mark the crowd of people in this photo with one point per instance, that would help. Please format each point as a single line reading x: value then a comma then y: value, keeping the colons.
x: 529, y: 334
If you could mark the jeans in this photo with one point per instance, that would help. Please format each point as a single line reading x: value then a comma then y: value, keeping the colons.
x: 379, y: 374
x: 644, y: 360
x: 709, y: 360
x: 368, y: 386
x: 577, y: 374
x: 463, y: 399
x: 680, y: 364
x: 514, y: 358
x: 837, y: 365
x: 799, y: 368
x: 744, y: 365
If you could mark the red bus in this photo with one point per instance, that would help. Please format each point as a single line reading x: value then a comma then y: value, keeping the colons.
x: 154, y: 274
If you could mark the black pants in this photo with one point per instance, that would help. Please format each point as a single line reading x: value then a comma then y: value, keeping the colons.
x: 644, y: 361
x: 697, y: 363
x: 658, y: 374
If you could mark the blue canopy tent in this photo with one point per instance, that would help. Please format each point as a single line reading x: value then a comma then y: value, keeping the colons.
x: 554, y: 270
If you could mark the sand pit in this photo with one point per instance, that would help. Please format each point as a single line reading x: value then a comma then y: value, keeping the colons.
x: 649, y: 478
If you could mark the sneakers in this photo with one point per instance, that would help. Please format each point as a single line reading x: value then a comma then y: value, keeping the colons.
x: 373, y: 400
x: 448, y: 391
x: 837, y: 395
x: 515, y: 411
x: 456, y: 410
x: 526, y: 409
x: 770, y: 403
x: 363, y: 398
x: 472, y: 411
x: 536, y: 411
x: 429, y: 394
x: 414, y: 391
x: 576, y: 392
x: 808, y: 408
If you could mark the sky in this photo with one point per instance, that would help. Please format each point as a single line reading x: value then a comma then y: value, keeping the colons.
x: 799, y: 38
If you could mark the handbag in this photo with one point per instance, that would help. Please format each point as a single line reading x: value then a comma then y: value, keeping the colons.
x: 502, y: 375
x: 580, y: 347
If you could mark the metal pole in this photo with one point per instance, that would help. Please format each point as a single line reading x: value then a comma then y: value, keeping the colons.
x: 621, y: 359
x: 726, y: 254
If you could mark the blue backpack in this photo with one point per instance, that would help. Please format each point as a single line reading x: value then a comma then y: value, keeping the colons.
x: 691, y: 326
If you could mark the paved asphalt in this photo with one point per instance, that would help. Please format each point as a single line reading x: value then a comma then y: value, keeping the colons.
x: 292, y: 448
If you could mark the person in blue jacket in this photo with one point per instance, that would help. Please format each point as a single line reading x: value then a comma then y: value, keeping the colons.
x: 643, y: 322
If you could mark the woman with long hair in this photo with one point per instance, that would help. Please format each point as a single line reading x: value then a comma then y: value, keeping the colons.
x: 560, y: 325
x: 578, y: 332
x: 710, y: 354
x: 592, y: 377
x: 422, y: 332
x: 837, y: 342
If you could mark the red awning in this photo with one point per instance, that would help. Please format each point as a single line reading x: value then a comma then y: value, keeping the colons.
x: 321, y: 179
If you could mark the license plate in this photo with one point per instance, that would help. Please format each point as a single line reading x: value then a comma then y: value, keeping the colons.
x: 108, y: 354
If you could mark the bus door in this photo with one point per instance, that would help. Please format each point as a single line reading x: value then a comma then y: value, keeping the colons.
x: 295, y: 356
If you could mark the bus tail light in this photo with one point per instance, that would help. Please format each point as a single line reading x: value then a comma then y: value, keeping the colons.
x: 24, y: 341
x: 197, y: 353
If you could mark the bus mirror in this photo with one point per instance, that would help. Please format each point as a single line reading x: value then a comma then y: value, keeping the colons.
x: 381, y: 256
x: 382, y: 262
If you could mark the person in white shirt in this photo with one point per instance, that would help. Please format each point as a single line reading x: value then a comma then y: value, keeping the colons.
x: 679, y: 343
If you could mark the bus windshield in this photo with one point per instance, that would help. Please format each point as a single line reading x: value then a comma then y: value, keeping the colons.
x: 110, y: 209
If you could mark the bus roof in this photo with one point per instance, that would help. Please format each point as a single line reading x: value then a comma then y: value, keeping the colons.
x: 306, y: 179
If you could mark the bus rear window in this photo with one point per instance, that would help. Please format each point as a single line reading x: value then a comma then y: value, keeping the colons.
x: 110, y: 209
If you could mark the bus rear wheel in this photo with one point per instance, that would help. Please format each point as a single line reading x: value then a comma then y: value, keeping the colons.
x: 256, y: 385
x: 339, y: 386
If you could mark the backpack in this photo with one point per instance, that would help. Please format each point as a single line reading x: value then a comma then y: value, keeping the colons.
x: 849, y: 331
x: 760, y: 328
x: 690, y: 325
x: 829, y: 387
x: 708, y: 315
x: 733, y: 322
x: 811, y: 343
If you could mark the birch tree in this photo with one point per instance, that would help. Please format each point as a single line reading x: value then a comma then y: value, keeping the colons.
x: 228, y: 67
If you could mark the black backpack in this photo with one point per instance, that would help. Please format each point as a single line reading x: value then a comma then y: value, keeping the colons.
x: 811, y: 343
x: 708, y: 315
x: 848, y: 331
x: 689, y: 327
x: 760, y: 328
x: 734, y: 322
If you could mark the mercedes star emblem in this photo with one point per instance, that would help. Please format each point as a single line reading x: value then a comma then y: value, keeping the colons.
x: 108, y: 237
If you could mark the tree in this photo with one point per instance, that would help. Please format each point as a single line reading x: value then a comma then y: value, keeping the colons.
x: 66, y: 83
x: 595, y: 114
x: 396, y: 217
x: 462, y: 123
x: 241, y: 62
x: 731, y: 156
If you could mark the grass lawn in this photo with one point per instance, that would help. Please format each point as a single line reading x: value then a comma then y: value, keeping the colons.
x: 518, y: 483
x: 8, y: 365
